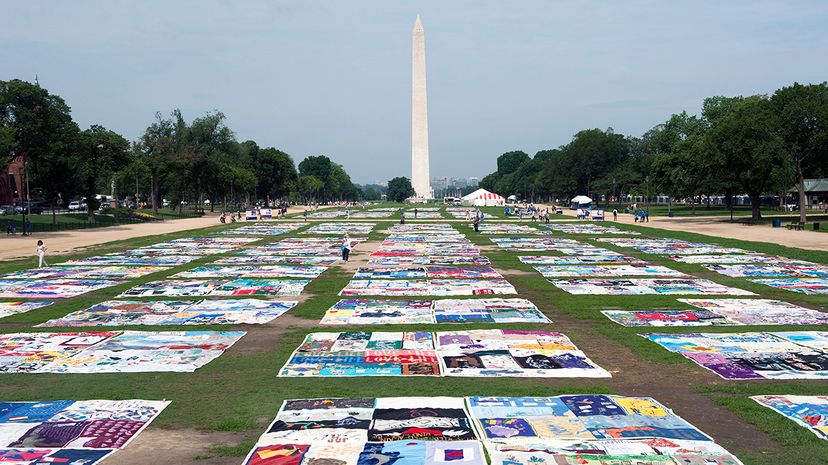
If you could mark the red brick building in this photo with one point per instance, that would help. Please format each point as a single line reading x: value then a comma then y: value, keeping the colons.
x: 11, y: 183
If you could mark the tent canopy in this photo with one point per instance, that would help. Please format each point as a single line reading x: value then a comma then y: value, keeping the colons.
x: 484, y: 198
x: 581, y: 199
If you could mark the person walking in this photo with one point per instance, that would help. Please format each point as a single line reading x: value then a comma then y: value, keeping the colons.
x: 476, y: 223
x: 41, y: 255
x: 402, y: 217
x: 415, y: 212
x: 614, y: 214
x: 346, y: 248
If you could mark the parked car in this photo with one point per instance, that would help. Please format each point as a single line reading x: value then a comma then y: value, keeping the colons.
x: 77, y: 205
x: 7, y: 210
x: 31, y: 208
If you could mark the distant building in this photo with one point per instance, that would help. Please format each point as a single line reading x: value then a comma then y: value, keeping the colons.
x: 11, y: 183
x: 816, y: 192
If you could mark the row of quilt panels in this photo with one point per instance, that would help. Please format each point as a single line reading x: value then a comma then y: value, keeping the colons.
x: 112, y: 351
x: 755, y: 355
x: 475, y: 353
x: 427, y: 287
x: 339, y: 229
x: 386, y: 311
x: 302, y: 247
x: 562, y: 430
x: 174, y: 312
x: 722, y: 312
x: 263, y: 229
x: 171, y: 253
x: 71, y: 432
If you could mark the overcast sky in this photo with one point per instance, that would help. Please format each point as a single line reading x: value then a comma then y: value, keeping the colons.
x: 334, y: 77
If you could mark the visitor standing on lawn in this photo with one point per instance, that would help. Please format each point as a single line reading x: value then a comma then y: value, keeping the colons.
x: 41, y: 255
x: 346, y: 248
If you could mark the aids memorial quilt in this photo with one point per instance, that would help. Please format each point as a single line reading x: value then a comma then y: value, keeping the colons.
x: 84, y: 272
x: 325, y: 214
x: 233, y: 287
x: 722, y: 312
x: 72, y: 432
x: 487, y: 311
x: 401, y: 249
x: 480, y: 353
x: 807, y: 411
x: 379, y: 312
x: 112, y: 351
x: 372, y: 214
x: 437, y: 272
x: 788, y: 355
x: 277, y: 260
x: 495, y: 352
x: 801, y: 285
x: 609, y: 257
x: 386, y: 311
x: 427, y: 287
x: 252, y: 271
x: 538, y: 244
x: 767, y: 270
x: 423, y: 214
x: 364, y: 354
x: 666, y: 318
x: 422, y: 228
x: 364, y: 431
x: 126, y: 259
x: 746, y: 258
x: 427, y: 237
x: 760, y: 311
x: 170, y: 249
x: 507, y: 228
x: 13, y: 308
x: 456, y: 260
x: 52, y: 288
x: 339, y: 229
x: 665, y: 246
x: 263, y: 229
x: 589, y: 429
x: 171, y: 312
x: 645, y: 287
x: 588, y: 228
x: 563, y: 271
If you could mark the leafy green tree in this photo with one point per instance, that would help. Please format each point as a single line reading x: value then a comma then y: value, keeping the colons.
x: 37, y: 126
x: 309, y: 186
x: 745, y: 136
x: 275, y: 171
x: 99, y: 153
x: 802, y: 112
x: 370, y: 194
x: 400, y: 189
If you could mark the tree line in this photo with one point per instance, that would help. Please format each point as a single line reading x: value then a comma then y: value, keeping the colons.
x: 753, y: 145
x: 173, y: 160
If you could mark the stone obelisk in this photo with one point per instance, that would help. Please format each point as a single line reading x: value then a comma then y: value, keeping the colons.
x: 419, y: 115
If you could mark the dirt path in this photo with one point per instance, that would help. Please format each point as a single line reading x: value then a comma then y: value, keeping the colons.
x: 65, y: 242
x: 717, y: 226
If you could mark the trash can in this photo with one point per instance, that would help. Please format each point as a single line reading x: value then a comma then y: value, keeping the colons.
x: 816, y: 226
x: 671, y: 214
x: 777, y: 222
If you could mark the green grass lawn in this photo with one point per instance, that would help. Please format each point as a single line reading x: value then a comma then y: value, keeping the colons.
x: 240, y: 391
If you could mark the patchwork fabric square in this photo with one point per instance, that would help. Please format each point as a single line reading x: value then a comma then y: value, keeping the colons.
x: 13, y: 308
x: 71, y: 432
x: 801, y: 285
x: 810, y: 412
x: 51, y: 288
x: 782, y: 355
x: 645, y: 287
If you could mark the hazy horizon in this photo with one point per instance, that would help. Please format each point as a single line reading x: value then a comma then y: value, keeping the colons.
x: 334, y: 78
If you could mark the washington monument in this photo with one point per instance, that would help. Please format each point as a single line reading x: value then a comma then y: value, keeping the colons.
x: 419, y: 115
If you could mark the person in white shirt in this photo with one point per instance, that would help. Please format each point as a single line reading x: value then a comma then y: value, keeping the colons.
x: 346, y: 248
x: 41, y: 255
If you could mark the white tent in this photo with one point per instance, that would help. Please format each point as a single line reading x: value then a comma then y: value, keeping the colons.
x: 581, y: 200
x: 484, y: 198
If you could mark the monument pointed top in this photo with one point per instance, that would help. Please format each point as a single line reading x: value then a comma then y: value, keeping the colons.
x: 418, y: 25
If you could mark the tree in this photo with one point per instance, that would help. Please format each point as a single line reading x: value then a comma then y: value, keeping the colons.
x: 37, y: 127
x: 745, y: 137
x: 509, y: 162
x: 369, y: 194
x: 309, y: 187
x: 99, y: 153
x: 802, y: 111
x: 400, y: 189
x: 275, y: 173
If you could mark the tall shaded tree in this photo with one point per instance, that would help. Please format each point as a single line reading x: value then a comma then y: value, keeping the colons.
x: 98, y: 154
x: 400, y: 189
